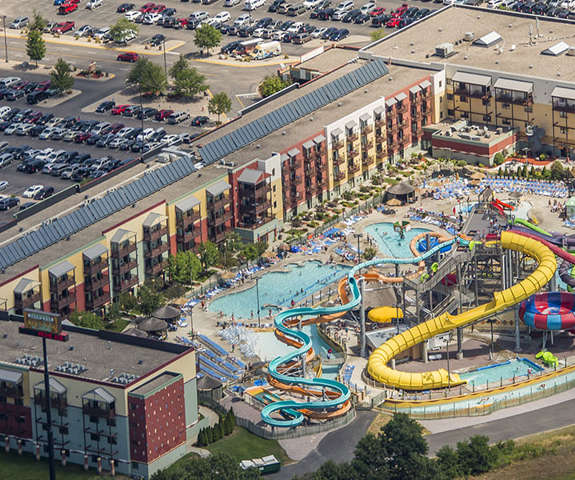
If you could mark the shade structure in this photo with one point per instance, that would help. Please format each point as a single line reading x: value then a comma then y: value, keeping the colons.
x: 403, y: 192
x: 136, y: 332
x: 153, y: 325
x: 394, y: 202
x: 167, y: 313
x: 478, y: 176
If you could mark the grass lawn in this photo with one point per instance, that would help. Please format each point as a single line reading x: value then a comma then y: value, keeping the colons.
x: 244, y: 445
x: 557, y: 464
x: 25, y: 467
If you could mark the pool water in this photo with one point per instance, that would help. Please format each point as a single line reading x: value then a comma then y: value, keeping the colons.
x: 278, y: 289
x: 330, y: 371
x: 389, y: 242
x: 493, y: 374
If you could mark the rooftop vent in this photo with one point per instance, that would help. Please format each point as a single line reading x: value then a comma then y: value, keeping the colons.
x: 71, y: 368
x: 469, y: 36
x: 571, y: 52
x: 29, y: 360
x: 488, y: 40
x: 124, y: 378
x: 556, y: 50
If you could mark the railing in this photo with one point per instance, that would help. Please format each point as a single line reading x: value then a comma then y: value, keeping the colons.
x: 127, y: 267
x: 58, y: 286
x: 367, y: 128
x: 156, y: 269
x: 153, y: 235
x: 126, y: 284
x: 379, y: 122
x: 367, y: 145
x: 63, y: 302
x: 91, y: 268
x: 189, y: 236
x: 11, y: 390
x: 98, y: 411
x: 262, y: 207
x: 221, y: 219
x: 158, y: 250
x: 219, y: 237
x: 354, y: 167
x: 94, y: 284
x: 352, y: 137
x: 97, y: 302
x: 218, y: 204
x: 563, y: 108
x: 124, y: 251
x: 339, y: 175
x: 337, y: 145
x: 26, y: 302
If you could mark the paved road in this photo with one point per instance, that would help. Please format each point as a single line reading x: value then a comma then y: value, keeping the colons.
x: 548, y: 418
x: 337, y: 446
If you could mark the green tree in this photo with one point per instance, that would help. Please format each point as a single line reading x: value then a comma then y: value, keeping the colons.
x: 448, y: 463
x: 498, y: 158
x: 148, y: 77
x: 378, y: 34
x: 122, y: 30
x: 148, y: 299
x: 476, y: 456
x: 545, y: 173
x: 369, y: 253
x: 207, y: 37
x: 188, y: 82
x: 35, y: 45
x: 557, y: 171
x: 272, y: 84
x: 216, y: 466
x: 209, y: 255
x: 184, y: 267
x: 38, y: 22
x: 61, y: 77
x: 220, y: 103
x: 87, y: 320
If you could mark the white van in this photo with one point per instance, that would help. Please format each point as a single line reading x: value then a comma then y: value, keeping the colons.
x: 253, y: 4
x: 232, y: 3
x: 494, y: 3
x: 93, y: 4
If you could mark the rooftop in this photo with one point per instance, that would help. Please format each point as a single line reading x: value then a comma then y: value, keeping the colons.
x: 154, y: 384
x: 87, y: 348
x: 513, y: 53
x: 328, y: 60
x: 463, y: 130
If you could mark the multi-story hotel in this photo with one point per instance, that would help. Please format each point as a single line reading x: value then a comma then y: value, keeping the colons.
x: 132, y: 414
x: 358, y: 112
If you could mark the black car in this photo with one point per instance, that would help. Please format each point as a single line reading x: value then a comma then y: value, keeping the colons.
x: 350, y: 16
x: 147, y: 113
x: 7, y: 203
x: 105, y: 106
x: 44, y: 193
x: 200, y: 121
x: 36, y: 97
x: 275, y: 5
x: 339, y: 35
x: 230, y: 47
x: 125, y: 7
x: 157, y: 40
x: 93, y: 140
x: 328, y: 33
x: 26, y: 205
x: 36, y: 130
x: 325, y: 14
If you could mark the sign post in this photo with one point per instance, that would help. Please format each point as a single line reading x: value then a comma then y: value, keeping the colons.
x: 46, y: 326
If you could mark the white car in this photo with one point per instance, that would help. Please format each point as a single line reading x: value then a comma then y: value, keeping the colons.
x: 368, y: 7
x: 222, y: 17
x: 84, y: 31
x: 310, y: 3
x: 93, y: 4
x: 151, y: 18
x: 243, y: 19
x: 209, y: 21
x: 319, y: 32
x: 5, y: 111
x: 5, y: 159
x: 7, y: 81
x: 170, y: 140
x: 145, y: 135
x: 295, y: 27
x: 101, y: 33
x: 45, y: 135
x: 12, y: 129
x: 231, y: 3
x: 133, y: 15
x: 3, y: 185
x: 24, y: 128
x: 32, y: 190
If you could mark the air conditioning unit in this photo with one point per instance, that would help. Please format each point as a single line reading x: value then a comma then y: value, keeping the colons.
x: 444, y: 50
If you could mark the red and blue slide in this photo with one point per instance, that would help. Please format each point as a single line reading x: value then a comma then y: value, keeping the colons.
x: 500, y: 206
x: 549, y: 311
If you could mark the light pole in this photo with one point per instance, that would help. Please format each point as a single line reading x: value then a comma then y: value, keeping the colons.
x: 192, y: 322
x: 165, y: 61
x: 5, y: 40
x: 258, y: 300
x: 448, y: 364
x: 491, y: 321
x: 358, y: 236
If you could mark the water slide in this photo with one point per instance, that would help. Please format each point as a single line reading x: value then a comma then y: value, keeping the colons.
x: 531, y: 226
x: 377, y: 364
x: 327, y: 397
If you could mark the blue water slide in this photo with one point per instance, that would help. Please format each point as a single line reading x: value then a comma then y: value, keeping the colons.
x: 289, y: 410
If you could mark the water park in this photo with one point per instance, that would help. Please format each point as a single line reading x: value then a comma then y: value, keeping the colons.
x: 456, y: 314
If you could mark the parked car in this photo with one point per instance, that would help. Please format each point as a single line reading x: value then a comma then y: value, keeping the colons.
x: 45, y: 192
x: 63, y: 27
x: 200, y: 121
x: 105, y: 106
x: 19, y: 22
x: 128, y: 57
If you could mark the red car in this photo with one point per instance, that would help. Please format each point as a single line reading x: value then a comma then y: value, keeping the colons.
x: 181, y: 23
x: 67, y: 8
x: 163, y: 114
x: 158, y: 8
x: 147, y: 7
x: 82, y: 137
x: 63, y: 27
x: 393, y: 22
x: 377, y: 11
x: 128, y: 57
x: 119, y: 109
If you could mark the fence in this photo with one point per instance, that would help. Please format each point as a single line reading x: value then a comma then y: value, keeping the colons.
x: 368, y: 204
x: 271, y: 433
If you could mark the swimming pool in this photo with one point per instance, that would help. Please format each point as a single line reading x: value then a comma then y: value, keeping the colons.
x: 279, y: 288
x: 493, y: 374
x: 388, y: 240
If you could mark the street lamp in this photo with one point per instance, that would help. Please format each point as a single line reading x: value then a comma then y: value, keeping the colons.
x: 258, y: 300
x: 5, y: 40
x: 165, y: 61
x: 358, y: 236
x: 491, y: 322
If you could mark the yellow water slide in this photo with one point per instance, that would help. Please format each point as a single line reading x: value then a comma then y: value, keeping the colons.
x: 377, y: 364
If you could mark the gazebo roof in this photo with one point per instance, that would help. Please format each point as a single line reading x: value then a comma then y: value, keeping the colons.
x: 136, y: 332
x: 166, y: 312
x: 402, y: 188
x: 153, y: 325
x: 208, y: 383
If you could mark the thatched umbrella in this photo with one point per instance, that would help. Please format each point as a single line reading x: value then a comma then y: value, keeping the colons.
x: 168, y: 313
x: 153, y: 325
x: 136, y: 332
x: 402, y: 191
x: 478, y: 176
x: 394, y: 202
x: 228, y: 275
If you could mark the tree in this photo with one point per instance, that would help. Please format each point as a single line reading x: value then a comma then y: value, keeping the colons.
x: 216, y: 466
x: 207, y: 37
x: 209, y: 255
x: 378, y: 34
x: 188, y: 82
x: 557, y: 171
x: 35, y: 45
x: 87, y: 320
x: 148, y: 77
x: 220, y: 103
x: 38, y: 22
x: 272, y: 84
x: 184, y: 267
x: 122, y: 30
x: 61, y: 77
x: 476, y: 456
x: 369, y: 253
x: 148, y: 299
x: 448, y: 463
